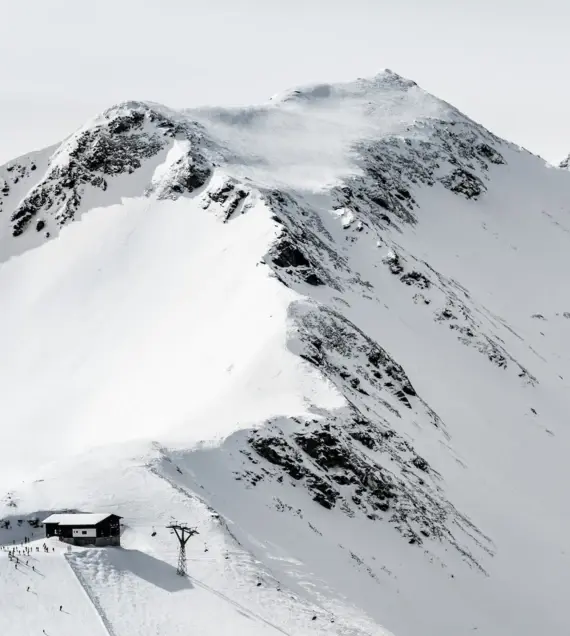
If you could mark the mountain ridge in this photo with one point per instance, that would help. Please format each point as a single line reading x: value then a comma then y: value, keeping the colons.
x: 332, y: 292
x: 91, y: 149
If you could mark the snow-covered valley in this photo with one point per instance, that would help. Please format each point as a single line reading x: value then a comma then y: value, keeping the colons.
x: 331, y: 332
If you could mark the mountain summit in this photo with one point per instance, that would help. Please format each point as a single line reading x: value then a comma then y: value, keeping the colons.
x: 329, y: 331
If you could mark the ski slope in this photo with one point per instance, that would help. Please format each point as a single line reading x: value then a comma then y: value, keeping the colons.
x: 52, y: 584
x: 136, y: 585
x: 136, y: 590
x: 111, y: 592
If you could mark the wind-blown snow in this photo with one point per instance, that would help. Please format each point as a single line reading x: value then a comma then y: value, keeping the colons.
x: 304, y: 138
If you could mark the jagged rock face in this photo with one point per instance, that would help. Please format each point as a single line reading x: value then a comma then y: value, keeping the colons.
x: 342, y: 463
x: 15, y: 173
x: 302, y: 232
x: 456, y: 155
x: 330, y: 341
x: 341, y: 460
x: 16, y: 178
x: 119, y: 144
x: 452, y: 305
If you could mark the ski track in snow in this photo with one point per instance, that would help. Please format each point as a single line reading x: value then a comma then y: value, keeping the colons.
x: 32, y: 611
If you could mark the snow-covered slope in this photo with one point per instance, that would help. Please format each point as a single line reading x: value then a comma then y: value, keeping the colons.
x: 330, y: 331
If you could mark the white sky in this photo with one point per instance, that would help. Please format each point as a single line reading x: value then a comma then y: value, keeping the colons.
x: 503, y: 62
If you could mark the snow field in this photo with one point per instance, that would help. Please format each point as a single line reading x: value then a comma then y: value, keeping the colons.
x: 166, y: 274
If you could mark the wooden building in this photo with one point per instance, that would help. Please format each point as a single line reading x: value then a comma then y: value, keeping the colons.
x: 85, y: 528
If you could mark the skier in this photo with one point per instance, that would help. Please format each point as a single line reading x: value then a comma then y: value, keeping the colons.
x: 61, y: 608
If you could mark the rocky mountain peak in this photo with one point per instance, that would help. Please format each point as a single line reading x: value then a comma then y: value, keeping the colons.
x: 382, y: 135
x: 371, y: 88
x: 94, y: 162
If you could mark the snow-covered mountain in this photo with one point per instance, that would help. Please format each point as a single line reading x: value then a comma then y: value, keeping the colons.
x: 331, y: 331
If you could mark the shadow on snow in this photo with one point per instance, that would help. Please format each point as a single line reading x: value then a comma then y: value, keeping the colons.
x: 150, y: 569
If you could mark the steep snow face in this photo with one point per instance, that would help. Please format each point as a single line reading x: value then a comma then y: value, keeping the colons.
x: 338, y: 321
x: 214, y: 355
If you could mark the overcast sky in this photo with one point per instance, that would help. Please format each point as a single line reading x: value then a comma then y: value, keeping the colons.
x: 503, y: 62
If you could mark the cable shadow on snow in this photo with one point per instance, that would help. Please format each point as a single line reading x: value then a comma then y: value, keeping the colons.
x: 150, y: 569
x: 241, y: 609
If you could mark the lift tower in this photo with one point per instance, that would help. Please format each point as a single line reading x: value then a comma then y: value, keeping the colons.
x: 183, y: 532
